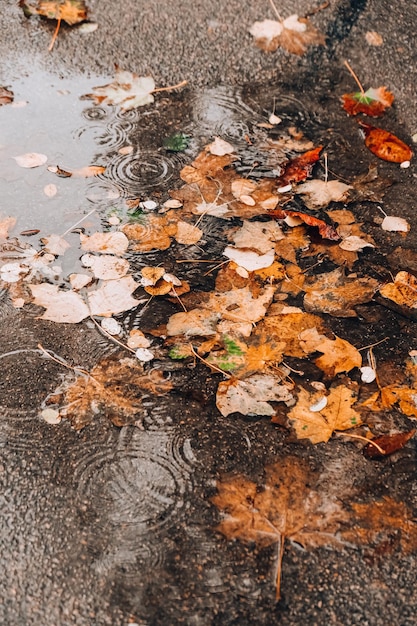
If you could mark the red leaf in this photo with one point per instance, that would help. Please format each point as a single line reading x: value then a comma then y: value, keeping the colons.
x: 389, y: 444
x: 300, y: 167
x: 385, y: 145
x: 327, y: 231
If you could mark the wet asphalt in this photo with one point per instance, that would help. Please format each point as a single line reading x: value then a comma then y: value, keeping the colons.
x: 113, y: 526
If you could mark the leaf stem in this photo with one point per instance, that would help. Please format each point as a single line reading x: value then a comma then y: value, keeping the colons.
x: 368, y: 441
x: 275, y: 10
x: 358, y: 82
x: 278, y: 576
x: 55, y: 35
x: 171, y: 88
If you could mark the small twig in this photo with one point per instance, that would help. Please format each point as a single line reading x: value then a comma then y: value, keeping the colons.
x: 217, y: 369
x: 171, y: 88
x: 368, y: 441
x: 179, y: 299
x: 62, y: 362
x: 109, y: 336
x: 326, y: 169
x: 358, y: 82
x: 372, y: 345
x: 77, y: 223
x: 55, y: 35
x: 196, y: 261
x: 280, y: 556
x: 275, y: 10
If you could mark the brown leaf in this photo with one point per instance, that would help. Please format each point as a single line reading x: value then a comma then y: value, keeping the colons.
x: 252, y: 395
x: 6, y: 96
x: 385, y: 145
x: 299, y: 168
x: 338, y: 354
x: 153, y: 232
x: 402, y: 291
x: 337, y: 294
x: 287, y: 328
x: 71, y: 11
x: 327, y: 231
x: 294, y: 34
x: 114, y: 387
x: 388, y: 443
x: 286, y: 508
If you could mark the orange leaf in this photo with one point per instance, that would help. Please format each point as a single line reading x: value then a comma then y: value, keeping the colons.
x: 300, y: 167
x: 372, y: 102
x: 385, y: 145
x: 389, y: 444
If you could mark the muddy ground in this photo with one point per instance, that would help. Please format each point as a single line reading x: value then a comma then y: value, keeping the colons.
x: 114, y: 525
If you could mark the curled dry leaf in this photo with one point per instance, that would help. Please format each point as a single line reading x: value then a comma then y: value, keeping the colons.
x: 299, y: 168
x: 318, y: 426
x: 294, y: 34
x: 385, y: 145
x: 70, y: 11
x: 389, y: 444
x: 372, y: 102
x: 402, y: 291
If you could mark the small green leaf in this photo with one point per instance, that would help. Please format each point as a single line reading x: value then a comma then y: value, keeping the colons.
x: 177, y: 142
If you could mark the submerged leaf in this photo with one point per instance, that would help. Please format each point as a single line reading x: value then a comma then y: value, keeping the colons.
x: 128, y: 90
x: 6, y: 96
x: 252, y: 395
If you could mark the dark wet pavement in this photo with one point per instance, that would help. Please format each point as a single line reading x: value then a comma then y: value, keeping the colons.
x: 114, y: 525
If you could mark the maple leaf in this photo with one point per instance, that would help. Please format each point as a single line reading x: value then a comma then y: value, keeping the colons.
x: 319, y: 425
x: 385, y: 145
x: 372, y: 102
x: 61, y: 306
x: 284, y: 509
x: 151, y: 232
x: 109, y: 243
x: 70, y: 11
x: 244, y: 359
x: 252, y: 395
x: 317, y: 194
x: 337, y: 294
x: 294, y: 34
x: 287, y: 329
x: 114, y: 387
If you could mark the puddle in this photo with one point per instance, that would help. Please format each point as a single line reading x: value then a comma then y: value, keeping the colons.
x: 139, y: 496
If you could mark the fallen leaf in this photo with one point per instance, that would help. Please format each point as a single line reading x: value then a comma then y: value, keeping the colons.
x: 337, y: 294
x: 187, y: 234
x: 220, y: 147
x: 198, y: 322
x: 258, y: 236
x: 372, y: 102
x: 113, y: 387
x: 152, y: 232
x: 114, y: 296
x: 392, y: 223
x: 294, y: 34
x: 318, y: 194
x: 285, y: 508
x: 6, y: 96
x: 385, y: 520
x: 106, y: 266
x: 389, y: 444
x: 373, y: 38
x: 50, y: 190
x: 402, y: 291
x: 55, y: 244
x: 287, y: 328
x: 353, y: 243
x: 128, y: 90
x: 252, y: 395
x: 299, y: 168
x: 31, y: 159
x: 385, y: 145
x: 318, y: 426
x: 6, y: 224
x: 70, y: 11
x: 109, y: 243
x: 248, y: 259
x: 338, y: 354
x: 327, y: 231
x: 61, y: 306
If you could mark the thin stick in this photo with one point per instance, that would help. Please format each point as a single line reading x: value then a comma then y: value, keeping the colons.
x: 372, y: 345
x: 326, y: 169
x: 217, y: 369
x: 63, y: 362
x: 280, y: 556
x: 181, y: 84
x: 196, y: 261
x: 55, y: 35
x: 79, y: 222
x: 358, y: 82
x: 217, y: 266
x: 109, y: 336
x: 380, y: 450
x: 179, y: 299
x: 275, y: 10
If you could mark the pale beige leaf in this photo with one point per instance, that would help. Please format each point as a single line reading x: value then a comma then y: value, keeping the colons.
x: 248, y: 259
x: 353, y: 243
x: 188, y: 234
x: 6, y: 224
x: 128, y: 90
x: 317, y: 194
x: 198, y: 322
x: 55, y: 244
x: 61, y: 306
x: 110, y: 243
x: 395, y: 224
x: 220, y: 147
x: 106, y: 266
x: 258, y: 236
x: 252, y: 395
x: 114, y: 296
